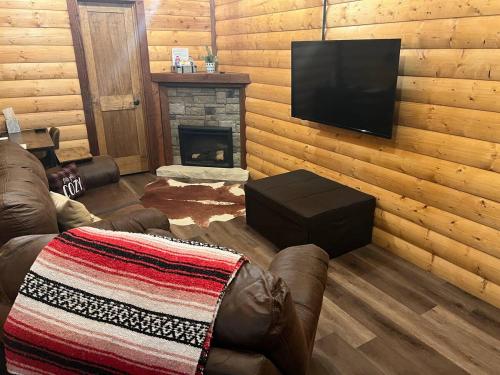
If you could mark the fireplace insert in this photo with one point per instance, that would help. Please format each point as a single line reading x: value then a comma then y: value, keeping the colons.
x: 206, y: 146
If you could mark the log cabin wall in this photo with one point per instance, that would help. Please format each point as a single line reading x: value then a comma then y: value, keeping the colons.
x: 437, y: 182
x: 177, y: 23
x: 38, y: 75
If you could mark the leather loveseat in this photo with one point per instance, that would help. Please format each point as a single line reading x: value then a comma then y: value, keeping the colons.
x: 268, y: 318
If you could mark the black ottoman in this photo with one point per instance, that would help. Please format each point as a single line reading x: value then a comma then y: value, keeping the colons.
x: 301, y: 207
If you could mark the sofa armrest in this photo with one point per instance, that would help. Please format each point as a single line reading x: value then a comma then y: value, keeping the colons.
x: 304, y: 269
x: 231, y: 362
x: 16, y: 258
x: 275, y: 330
x: 138, y: 221
x: 99, y: 171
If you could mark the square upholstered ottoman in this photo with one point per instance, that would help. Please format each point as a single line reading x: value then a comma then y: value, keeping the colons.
x: 301, y: 207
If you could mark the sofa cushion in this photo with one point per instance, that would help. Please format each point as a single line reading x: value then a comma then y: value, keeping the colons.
x: 71, y: 213
x: 105, y: 200
x: 25, y: 204
x: 14, y: 156
x: 67, y: 181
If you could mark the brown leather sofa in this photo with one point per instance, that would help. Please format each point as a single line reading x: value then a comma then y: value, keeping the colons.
x: 268, y: 318
x: 26, y: 206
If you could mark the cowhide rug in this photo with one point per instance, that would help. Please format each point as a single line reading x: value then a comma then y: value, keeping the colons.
x: 190, y: 203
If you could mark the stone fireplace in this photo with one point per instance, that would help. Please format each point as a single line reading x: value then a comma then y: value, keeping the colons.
x: 203, y: 118
x: 204, y: 107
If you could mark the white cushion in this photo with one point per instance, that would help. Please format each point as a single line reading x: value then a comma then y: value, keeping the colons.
x: 71, y: 213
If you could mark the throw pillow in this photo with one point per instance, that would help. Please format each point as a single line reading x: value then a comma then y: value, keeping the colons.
x: 70, y: 213
x: 67, y: 181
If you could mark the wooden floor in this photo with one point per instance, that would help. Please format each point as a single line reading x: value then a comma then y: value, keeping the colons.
x: 381, y: 314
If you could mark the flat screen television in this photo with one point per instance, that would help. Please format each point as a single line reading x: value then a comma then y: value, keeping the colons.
x: 346, y: 83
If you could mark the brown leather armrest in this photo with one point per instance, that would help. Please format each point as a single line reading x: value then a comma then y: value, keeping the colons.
x: 96, y: 172
x: 304, y: 268
x: 16, y: 258
x: 231, y: 362
x: 258, y: 314
x: 99, y: 171
x: 139, y: 221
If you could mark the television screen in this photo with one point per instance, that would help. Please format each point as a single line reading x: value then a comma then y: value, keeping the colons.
x: 346, y: 83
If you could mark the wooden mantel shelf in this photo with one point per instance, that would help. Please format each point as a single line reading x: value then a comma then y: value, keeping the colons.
x: 202, y: 79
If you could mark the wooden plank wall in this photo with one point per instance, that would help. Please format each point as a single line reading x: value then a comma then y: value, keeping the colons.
x: 38, y: 75
x: 437, y: 181
x: 177, y: 23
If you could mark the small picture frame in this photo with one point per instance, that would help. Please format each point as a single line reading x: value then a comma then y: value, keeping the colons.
x: 179, y: 56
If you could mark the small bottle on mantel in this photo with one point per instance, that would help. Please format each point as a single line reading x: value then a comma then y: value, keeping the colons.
x: 193, y: 66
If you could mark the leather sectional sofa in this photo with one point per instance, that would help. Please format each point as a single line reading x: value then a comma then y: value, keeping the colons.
x: 26, y: 206
x: 268, y: 318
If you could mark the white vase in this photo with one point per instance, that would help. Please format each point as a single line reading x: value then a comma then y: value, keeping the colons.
x: 210, y: 67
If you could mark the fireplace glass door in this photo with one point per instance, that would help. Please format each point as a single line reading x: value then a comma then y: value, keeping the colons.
x: 206, y: 146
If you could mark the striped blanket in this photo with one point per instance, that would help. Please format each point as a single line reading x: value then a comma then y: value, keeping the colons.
x: 107, y: 302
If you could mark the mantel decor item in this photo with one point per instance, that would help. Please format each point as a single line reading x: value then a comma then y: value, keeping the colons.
x: 182, y: 62
x: 184, y: 69
x: 210, y: 60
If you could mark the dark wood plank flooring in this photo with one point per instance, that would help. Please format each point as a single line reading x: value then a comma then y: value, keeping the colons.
x: 381, y: 314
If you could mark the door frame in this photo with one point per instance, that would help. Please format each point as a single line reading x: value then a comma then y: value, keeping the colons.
x: 151, y: 117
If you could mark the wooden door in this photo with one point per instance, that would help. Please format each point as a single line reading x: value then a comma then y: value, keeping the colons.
x: 110, y: 41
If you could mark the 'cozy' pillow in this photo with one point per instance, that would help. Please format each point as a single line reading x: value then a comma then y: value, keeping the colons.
x: 67, y: 181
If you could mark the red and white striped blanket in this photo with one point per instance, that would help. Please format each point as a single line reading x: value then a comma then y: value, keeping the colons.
x: 107, y: 302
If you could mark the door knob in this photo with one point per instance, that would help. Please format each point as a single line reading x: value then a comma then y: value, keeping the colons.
x: 137, y: 102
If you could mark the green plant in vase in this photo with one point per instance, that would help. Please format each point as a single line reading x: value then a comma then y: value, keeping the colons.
x: 210, y: 60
